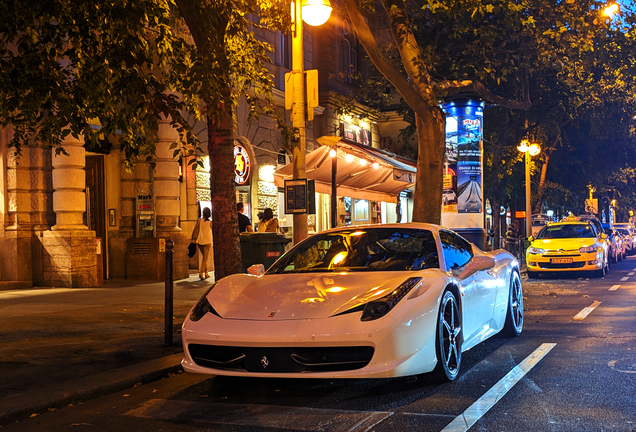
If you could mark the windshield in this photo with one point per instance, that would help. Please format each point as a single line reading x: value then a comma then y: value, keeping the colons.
x: 566, y: 231
x: 623, y: 231
x: 369, y: 249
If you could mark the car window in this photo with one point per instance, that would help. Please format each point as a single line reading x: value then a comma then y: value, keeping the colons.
x: 567, y: 231
x: 367, y: 249
x: 457, y: 251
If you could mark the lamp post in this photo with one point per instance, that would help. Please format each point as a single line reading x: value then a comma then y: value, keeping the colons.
x: 530, y: 149
x: 317, y: 12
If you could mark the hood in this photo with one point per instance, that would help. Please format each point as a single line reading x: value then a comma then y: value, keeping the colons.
x: 565, y: 244
x: 301, y: 296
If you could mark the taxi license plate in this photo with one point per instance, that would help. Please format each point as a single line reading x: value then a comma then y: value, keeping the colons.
x: 562, y: 260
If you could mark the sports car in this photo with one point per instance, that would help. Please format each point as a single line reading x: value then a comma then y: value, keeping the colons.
x: 357, y: 302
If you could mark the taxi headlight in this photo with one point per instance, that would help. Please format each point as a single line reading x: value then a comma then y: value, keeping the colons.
x: 534, y: 250
x: 588, y: 249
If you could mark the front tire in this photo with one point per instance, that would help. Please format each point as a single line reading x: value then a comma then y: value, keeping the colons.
x: 514, y: 315
x: 532, y: 275
x: 448, y: 340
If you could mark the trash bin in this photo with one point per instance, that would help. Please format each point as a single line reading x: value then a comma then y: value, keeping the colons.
x: 262, y: 248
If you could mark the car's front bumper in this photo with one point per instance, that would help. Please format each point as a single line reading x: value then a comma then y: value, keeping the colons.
x: 399, y: 348
x: 564, y: 262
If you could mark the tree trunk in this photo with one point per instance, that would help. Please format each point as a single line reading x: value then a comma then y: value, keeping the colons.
x: 208, y: 33
x: 427, y: 200
x: 227, y: 250
x: 495, y: 205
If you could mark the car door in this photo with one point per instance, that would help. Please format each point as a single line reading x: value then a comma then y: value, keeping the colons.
x: 478, y: 290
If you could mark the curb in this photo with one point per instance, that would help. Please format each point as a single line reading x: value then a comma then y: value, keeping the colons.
x: 23, y: 405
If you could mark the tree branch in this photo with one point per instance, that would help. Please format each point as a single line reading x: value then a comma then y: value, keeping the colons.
x: 466, y: 86
x: 411, y: 93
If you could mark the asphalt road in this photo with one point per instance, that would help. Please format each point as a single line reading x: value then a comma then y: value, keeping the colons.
x: 572, y: 369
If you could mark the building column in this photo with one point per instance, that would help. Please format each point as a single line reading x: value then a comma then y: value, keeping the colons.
x: 27, y: 211
x: 166, y: 181
x: 167, y: 205
x: 69, y: 249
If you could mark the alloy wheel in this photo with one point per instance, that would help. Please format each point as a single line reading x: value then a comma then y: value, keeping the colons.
x: 450, y: 330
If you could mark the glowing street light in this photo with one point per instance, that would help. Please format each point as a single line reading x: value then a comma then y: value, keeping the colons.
x: 610, y: 10
x: 530, y: 149
x: 316, y: 12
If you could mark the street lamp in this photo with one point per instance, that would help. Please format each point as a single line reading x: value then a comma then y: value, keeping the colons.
x: 317, y: 12
x: 610, y: 10
x: 530, y: 149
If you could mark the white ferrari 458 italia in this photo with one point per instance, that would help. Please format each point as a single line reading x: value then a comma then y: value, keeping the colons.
x: 357, y: 302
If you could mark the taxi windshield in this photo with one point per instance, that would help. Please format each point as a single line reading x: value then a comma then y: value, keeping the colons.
x: 566, y: 231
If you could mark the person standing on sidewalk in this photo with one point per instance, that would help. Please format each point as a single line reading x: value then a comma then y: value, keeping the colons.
x: 512, y: 238
x: 244, y: 223
x: 269, y: 223
x: 202, y: 236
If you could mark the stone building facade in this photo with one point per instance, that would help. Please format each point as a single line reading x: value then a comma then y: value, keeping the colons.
x: 71, y: 221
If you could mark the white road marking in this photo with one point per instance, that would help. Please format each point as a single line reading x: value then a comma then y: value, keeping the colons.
x: 624, y: 279
x: 614, y: 287
x: 586, y: 311
x: 630, y: 274
x: 473, y: 413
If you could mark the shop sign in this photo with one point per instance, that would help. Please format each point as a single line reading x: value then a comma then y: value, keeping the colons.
x: 403, y: 175
x: 242, y: 165
x: 520, y: 214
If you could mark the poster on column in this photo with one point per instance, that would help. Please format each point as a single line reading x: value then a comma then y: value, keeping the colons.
x: 449, y: 194
x: 469, y: 199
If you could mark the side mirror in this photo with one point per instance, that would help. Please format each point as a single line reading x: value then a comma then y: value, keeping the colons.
x: 256, y: 270
x: 603, y: 236
x: 478, y: 263
x: 531, y: 239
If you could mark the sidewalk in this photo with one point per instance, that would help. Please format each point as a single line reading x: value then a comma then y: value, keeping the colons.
x: 60, y: 346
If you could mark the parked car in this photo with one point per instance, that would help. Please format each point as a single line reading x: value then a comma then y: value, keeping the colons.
x: 570, y: 245
x: 538, y: 222
x: 591, y: 219
x: 616, y: 243
x: 357, y: 302
x: 629, y: 234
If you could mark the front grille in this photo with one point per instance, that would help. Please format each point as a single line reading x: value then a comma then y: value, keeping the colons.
x: 573, y: 265
x: 288, y: 359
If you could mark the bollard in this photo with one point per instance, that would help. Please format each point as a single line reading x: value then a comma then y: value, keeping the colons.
x: 167, y: 336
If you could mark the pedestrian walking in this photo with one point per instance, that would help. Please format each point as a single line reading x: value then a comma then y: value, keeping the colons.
x: 202, y: 236
x: 244, y: 223
x: 512, y: 238
x: 269, y: 223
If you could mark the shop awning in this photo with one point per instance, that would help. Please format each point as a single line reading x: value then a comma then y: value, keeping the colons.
x: 362, y: 173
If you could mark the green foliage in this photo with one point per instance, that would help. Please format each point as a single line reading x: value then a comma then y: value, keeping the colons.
x: 68, y: 66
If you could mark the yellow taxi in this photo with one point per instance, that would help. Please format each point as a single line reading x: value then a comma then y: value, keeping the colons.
x: 569, y: 245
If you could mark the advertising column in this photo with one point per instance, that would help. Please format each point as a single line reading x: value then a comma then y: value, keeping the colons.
x: 462, y: 197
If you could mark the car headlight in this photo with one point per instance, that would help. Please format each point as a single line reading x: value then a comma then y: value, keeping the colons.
x: 380, y: 307
x: 202, y: 307
x: 534, y: 250
x: 588, y: 249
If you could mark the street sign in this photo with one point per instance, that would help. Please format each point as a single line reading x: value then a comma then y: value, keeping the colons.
x: 296, y: 196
